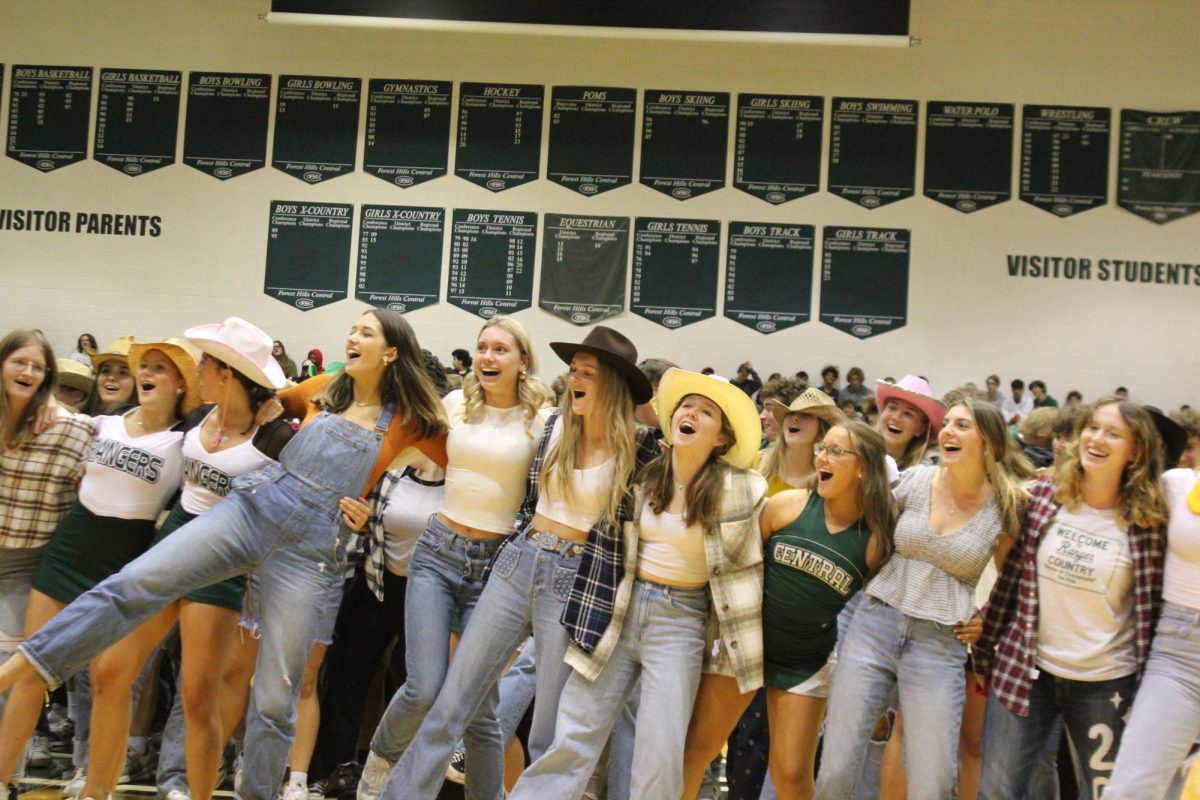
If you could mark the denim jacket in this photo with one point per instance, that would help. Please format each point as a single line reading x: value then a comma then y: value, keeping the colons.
x: 733, y: 547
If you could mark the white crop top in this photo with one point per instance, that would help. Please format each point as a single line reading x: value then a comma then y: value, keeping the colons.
x: 130, y: 478
x: 591, y: 488
x: 207, y: 476
x: 1181, y: 571
x: 670, y: 551
x: 488, y: 464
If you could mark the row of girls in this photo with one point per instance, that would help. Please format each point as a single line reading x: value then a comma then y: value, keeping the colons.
x: 637, y: 566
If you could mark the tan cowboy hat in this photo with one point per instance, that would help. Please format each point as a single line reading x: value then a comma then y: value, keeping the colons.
x: 737, y: 406
x: 615, y: 350
x: 117, y: 351
x: 914, y: 390
x: 243, y: 346
x: 74, y: 375
x: 181, y: 356
x: 811, y: 401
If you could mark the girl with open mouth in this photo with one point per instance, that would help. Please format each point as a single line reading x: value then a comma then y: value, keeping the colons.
x: 286, y: 522
x: 692, y: 567
x: 1070, y: 621
x: 554, y: 578
x: 114, y: 391
x: 912, y: 629
x: 132, y: 470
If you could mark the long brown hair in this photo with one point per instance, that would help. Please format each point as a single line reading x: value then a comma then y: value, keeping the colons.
x: 614, y: 409
x: 404, y: 383
x: 1141, y: 500
x: 874, y: 491
x: 703, y: 500
x: 21, y: 432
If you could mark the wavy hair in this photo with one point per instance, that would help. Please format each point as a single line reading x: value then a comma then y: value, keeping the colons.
x: 771, y: 465
x: 613, y: 407
x: 875, y: 491
x: 529, y: 392
x: 1141, y: 500
x: 1003, y: 463
x: 404, y: 383
x: 702, y: 503
x: 22, y: 432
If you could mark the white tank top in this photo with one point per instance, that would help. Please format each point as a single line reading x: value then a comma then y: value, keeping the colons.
x: 488, y: 463
x: 207, y: 476
x: 670, y: 551
x: 591, y: 488
x: 127, y: 477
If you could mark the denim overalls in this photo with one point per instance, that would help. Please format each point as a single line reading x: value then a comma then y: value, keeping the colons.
x: 282, y: 522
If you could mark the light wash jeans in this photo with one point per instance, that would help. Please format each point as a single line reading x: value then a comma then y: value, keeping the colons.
x: 662, y: 641
x: 17, y: 567
x: 1094, y: 713
x: 1166, y: 714
x: 525, y: 593
x: 281, y: 521
x: 885, y: 647
x: 445, y: 580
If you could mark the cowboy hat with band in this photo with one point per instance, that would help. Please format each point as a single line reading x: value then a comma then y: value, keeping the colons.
x: 243, y: 347
x: 613, y: 349
x: 735, y: 404
x: 181, y: 356
x: 915, y: 391
x: 117, y: 351
x: 811, y: 401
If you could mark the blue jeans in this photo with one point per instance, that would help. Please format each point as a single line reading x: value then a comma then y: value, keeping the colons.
x: 445, y: 580
x: 525, y: 594
x: 662, y: 641
x: 17, y: 567
x: 281, y: 521
x: 1166, y: 714
x: 1093, y: 712
x: 884, y: 648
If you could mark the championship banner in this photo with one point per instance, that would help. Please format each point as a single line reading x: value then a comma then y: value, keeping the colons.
x: 1064, y: 158
x: 308, y: 251
x: 137, y: 119
x: 1160, y: 164
x: 408, y: 130
x: 968, y: 154
x: 584, y: 267
x: 591, y: 137
x: 49, y: 111
x: 864, y: 280
x: 675, y: 263
x: 777, y: 152
x: 400, y: 256
x: 873, y: 150
x: 499, y: 134
x: 225, y: 130
x: 491, y: 261
x: 316, y: 126
x: 768, y: 275
x: 685, y: 140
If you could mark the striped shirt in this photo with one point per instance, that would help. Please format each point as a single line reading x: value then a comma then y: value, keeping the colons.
x: 39, y: 481
x: 1008, y: 648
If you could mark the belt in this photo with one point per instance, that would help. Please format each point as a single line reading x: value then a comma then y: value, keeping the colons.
x: 549, y: 541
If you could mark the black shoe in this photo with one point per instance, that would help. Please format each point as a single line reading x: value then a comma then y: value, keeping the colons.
x: 14, y: 791
x: 456, y: 772
x: 343, y: 781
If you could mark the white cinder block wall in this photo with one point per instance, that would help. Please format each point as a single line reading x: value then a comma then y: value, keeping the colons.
x: 967, y: 316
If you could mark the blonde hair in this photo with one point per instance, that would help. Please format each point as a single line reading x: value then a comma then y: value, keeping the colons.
x: 613, y: 407
x: 1141, y: 499
x: 530, y: 393
x: 772, y: 458
x: 703, y: 499
x: 1003, y: 463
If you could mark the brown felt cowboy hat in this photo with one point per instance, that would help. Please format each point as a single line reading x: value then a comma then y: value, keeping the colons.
x: 615, y: 350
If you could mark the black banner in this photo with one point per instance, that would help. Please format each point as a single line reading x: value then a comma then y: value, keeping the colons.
x: 225, y: 130
x: 675, y: 263
x: 864, y: 280
x: 491, y: 261
x: 1064, y: 158
x: 870, y: 17
x: 685, y: 138
x: 1160, y: 164
x: 591, y: 137
x: 777, y: 156
x: 873, y: 150
x: 400, y: 256
x: 583, y: 267
x: 499, y: 134
x: 308, y: 252
x: 316, y: 126
x: 137, y: 119
x: 768, y: 275
x: 408, y: 130
x: 968, y: 154
x: 48, y: 113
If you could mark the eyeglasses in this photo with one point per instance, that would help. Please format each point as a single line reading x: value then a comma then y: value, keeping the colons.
x: 833, y: 450
x: 20, y: 365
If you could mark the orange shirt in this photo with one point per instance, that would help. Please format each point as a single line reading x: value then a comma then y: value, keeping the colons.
x: 296, y: 402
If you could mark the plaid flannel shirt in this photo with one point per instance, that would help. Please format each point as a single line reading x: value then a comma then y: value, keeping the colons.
x: 1008, y: 648
x: 373, y: 564
x: 41, y: 481
x: 590, y: 604
x: 733, y: 548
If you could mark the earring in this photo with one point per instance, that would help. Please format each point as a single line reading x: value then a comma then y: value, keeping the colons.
x: 524, y: 375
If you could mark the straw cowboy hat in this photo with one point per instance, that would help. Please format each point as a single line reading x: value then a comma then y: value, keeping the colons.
x: 811, y: 401
x: 176, y: 350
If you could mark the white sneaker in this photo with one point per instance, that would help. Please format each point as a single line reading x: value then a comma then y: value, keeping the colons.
x: 176, y: 794
x: 374, y: 776
x: 295, y: 791
x: 75, y: 786
x: 239, y: 761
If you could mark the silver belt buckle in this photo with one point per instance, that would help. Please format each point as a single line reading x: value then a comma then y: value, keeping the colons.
x: 546, y: 540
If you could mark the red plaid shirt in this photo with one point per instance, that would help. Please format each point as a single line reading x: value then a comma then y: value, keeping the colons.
x: 1008, y: 648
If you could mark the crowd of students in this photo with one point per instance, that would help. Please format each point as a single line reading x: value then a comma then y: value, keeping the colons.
x: 664, y: 563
